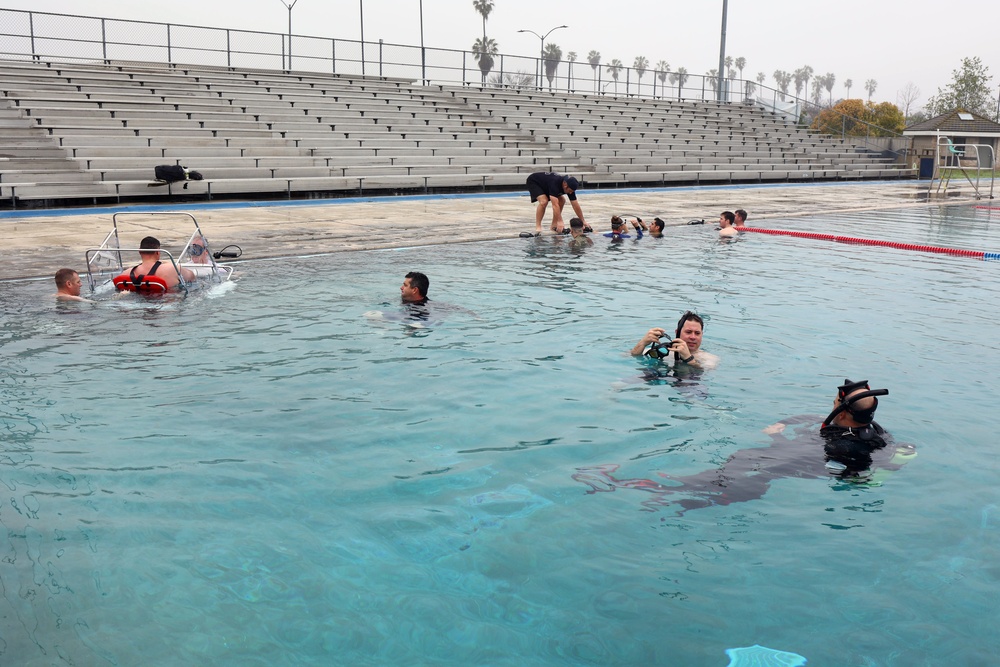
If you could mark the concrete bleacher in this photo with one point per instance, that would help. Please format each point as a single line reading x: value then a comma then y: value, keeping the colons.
x: 94, y: 132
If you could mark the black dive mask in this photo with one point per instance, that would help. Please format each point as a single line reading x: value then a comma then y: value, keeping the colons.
x: 659, y: 350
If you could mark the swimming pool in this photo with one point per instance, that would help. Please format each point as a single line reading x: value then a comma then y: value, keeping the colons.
x: 268, y: 477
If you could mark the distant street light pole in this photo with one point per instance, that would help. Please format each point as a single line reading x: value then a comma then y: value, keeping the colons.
x: 362, y: 37
x: 423, y: 53
x: 290, y: 6
x: 719, y: 93
x: 541, y: 51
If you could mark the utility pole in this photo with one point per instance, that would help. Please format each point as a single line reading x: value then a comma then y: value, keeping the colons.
x: 719, y: 92
x: 290, y: 6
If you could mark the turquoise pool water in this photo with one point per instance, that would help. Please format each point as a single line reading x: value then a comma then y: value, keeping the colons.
x: 265, y: 476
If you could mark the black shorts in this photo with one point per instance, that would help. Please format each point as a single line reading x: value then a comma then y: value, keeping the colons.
x: 535, y: 189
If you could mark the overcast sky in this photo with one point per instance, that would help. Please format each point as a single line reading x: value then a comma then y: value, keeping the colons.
x: 895, y: 42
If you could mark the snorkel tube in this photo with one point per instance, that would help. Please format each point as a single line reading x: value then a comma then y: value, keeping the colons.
x: 862, y: 416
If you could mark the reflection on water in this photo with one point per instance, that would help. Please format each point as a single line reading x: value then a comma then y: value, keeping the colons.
x: 265, y: 475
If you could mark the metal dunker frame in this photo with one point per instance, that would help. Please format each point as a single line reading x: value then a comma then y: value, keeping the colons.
x: 106, y: 261
x: 954, y: 154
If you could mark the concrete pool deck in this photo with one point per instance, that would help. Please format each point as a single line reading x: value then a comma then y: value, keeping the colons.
x: 37, y: 243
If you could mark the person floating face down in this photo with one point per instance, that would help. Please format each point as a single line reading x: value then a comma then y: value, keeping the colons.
x: 550, y: 187
x: 684, y: 348
x: 849, y: 446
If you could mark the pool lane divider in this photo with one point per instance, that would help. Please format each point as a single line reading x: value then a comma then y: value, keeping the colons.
x: 978, y: 254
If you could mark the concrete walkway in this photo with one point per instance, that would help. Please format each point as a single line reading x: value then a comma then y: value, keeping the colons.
x: 37, y: 243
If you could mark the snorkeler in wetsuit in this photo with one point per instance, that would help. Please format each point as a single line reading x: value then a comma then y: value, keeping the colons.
x: 852, y: 446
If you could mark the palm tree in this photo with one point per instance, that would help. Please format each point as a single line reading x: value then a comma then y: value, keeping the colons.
x: 817, y: 89
x: 828, y: 82
x: 570, y: 58
x: 800, y: 78
x: 662, y: 68
x: 807, y: 72
x: 640, y: 65
x: 484, y: 7
x: 847, y: 84
x: 870, y: 86
x: 713, y: 78
x: 729, y: 62
x: 682, y: 77
x: 782, y: 79
x: 551, y: 58
x: 484, y: 49
x: 741, y: 62
x: 761, y: 78
x: 614, y: 69
x: 594, y: 58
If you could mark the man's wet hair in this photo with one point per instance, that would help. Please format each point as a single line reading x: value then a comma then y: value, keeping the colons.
x: 617, y: 222
x: 728, y: 215
x: 576, y: 223
x: 658, y: 224
x: 149, y: 243
x: 63, y: 276
x: 688, y: 317
x: 420, y: 281
x: 742, y: 214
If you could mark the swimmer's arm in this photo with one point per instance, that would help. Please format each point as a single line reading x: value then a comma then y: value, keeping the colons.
x: 651, y: 337
x: 779, y: 426
x: 188, y: 275
x: 71, y: 297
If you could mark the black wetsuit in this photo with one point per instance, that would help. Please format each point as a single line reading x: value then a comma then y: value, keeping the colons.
x: 747, y: 474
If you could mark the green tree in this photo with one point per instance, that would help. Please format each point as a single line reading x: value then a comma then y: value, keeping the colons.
x: 847, y: 84
x: 614, y: 69
x: 859, y: 119
x: 552, y: 57
x: 594, y: 58
x: 640, y: 65
x: 662, y: 71
x: 969, y: 90
x: 485, y: 50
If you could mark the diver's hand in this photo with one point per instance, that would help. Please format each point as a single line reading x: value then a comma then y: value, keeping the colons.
x: 774, y: 429
x: 651, y: 337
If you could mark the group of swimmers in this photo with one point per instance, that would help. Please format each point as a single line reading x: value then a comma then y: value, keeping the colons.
x: 552, y: 188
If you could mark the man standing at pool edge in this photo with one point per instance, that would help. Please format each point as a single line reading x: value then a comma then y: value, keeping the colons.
x: 545, y: 187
